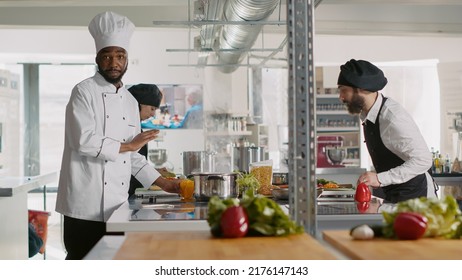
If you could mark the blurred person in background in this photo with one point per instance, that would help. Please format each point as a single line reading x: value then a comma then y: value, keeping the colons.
x: 194, y: 116
x: 149, y: 98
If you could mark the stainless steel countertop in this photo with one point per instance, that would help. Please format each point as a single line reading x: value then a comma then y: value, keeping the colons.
x: 170, y: 208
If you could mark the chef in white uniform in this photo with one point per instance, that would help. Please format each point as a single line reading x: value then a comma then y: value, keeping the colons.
x: 102, y: 137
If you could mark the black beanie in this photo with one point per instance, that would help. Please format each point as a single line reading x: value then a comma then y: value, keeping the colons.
x: 146, y: 94
x: 361, y: 74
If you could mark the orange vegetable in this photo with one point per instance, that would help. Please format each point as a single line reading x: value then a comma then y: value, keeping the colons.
x: 186, y: 189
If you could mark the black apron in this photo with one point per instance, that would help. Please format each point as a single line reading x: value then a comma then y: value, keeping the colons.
x: 384, y: 160
x: 134, y: 183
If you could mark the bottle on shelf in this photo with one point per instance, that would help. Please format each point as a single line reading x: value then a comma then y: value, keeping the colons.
x: 447, y: 164
x: 436, y: 163
x: 433, y: 160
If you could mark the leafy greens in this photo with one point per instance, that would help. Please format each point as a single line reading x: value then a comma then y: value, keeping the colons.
x: 265, y: 216
x: 444, y: 216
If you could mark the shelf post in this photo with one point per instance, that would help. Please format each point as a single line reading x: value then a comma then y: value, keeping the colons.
x: 302, y: 134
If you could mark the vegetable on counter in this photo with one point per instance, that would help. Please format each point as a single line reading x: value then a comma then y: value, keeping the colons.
x: 421, y: 217
x: 186, y: 189
x: 265, y: 216
x: 363, y: 206
x: 363, y: 193
x: 362, y: 232
x: 444, y: 218
x: 247, y: 181
x: 410, y: 225
x: 323, y: 183
x: 234, y: 222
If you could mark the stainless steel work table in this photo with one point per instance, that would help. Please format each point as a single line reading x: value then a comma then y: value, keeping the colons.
x: 169, y: 214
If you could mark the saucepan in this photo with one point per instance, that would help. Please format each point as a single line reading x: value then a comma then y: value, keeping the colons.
x: 222, y: 185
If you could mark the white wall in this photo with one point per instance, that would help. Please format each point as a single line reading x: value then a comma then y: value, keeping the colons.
x: 338, y: 48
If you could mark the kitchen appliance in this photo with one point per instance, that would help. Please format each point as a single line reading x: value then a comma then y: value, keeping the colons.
x: 198, y: 161
x: 158, y: 156
x: 336, y: 155
x: 160, y: 159
x: 222, y: 185
x: 324, y: 143
x: 243, y: 156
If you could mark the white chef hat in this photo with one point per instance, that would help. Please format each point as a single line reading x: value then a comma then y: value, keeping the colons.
x: 111, y: 30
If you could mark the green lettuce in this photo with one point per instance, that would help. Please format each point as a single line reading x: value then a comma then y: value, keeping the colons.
x: 444, y: 216
x: 265, y: 216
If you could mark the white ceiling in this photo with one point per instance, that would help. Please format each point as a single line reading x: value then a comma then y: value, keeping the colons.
x: 363, y: 17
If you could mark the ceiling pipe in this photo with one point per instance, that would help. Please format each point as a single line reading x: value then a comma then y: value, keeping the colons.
x: 243, y: 37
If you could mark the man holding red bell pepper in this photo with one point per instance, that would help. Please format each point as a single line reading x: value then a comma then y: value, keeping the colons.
x: 399, y: 153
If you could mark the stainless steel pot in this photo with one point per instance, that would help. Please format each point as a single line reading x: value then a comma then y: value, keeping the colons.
x: 198, y: 161
x: 222, y: 185
x: 244, y: 156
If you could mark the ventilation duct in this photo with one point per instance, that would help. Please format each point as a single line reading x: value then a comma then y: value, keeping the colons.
x: 241, y: 36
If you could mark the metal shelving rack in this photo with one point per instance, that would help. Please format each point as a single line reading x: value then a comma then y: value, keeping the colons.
x: 302, y: 134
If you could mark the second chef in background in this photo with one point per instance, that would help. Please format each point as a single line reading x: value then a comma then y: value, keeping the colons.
x: 399, y: 153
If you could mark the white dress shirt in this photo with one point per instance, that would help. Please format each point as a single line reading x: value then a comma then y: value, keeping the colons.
x: 402, y: 137
x: 95, y: 177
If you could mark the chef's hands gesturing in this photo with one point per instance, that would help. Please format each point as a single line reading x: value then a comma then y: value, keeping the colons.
x: 139, y: 141
x: 369, y: 178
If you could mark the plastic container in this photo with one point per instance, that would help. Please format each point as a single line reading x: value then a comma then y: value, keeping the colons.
x: 39, y: 220
x: 263, y: 171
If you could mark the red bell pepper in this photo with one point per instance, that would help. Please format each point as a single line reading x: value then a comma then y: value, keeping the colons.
x: 362, y: 206
x: 410, y: 225
x: 234, y: 222
x: 363, y: 193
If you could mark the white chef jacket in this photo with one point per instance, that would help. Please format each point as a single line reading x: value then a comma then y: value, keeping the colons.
x: 95, y: 177
x: 401, y: 136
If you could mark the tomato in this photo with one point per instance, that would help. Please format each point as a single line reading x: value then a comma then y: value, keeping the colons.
x: 410, y: 226
x: 363, y: 193
x: 234, y: 222
x: 362, y: 206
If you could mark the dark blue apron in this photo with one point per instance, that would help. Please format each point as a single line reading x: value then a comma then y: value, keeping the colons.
x: 384, y: 160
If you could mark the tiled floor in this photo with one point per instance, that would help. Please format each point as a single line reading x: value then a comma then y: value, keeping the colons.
x: 54, y: 245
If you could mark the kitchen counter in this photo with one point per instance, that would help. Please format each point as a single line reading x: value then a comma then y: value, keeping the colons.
x: 163, y: 213
x: 14, y: 213
x: 169, y: 214
x: 12, y: 186
x: 200, y: 245
x: 449, y: 179
x: 386, y: 249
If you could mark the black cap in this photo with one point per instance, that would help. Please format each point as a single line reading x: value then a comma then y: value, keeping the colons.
x: 147, y: 94
x: 361, y: 74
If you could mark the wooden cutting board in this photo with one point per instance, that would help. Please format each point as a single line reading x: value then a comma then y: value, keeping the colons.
x: 386, y: 249
x: 200, y: 245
